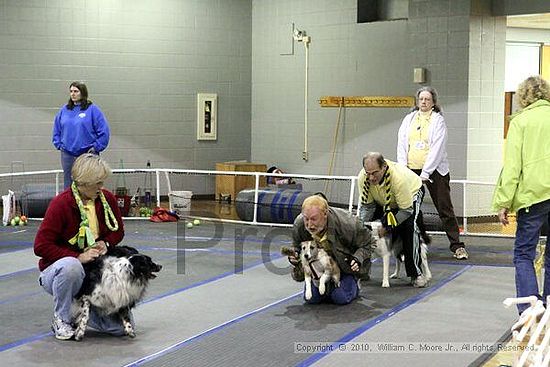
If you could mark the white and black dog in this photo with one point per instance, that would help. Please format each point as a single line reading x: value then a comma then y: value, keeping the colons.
x: 386, y: 248
x: 114, y: 283
x: 319, y: 266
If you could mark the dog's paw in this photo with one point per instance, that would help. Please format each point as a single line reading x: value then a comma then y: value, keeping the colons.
x: 308, y: 295
x: 78, y: 334
x: 322, y: 288
x: 385, y: 284
x: 128, y: 328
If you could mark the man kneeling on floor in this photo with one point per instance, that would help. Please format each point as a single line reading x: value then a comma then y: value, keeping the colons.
x: 343, y: 237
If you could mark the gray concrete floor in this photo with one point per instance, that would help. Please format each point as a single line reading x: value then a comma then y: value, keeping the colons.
x: 228, y: 300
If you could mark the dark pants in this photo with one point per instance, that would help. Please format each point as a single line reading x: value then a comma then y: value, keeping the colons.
x: 529, y: 222
x: 408, y: 232
x: 347, y: 292
x: 411, y: 245
x: 440, y: 192
x: 67, y: 161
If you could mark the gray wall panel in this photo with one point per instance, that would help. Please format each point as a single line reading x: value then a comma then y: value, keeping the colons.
x: 143, y: 65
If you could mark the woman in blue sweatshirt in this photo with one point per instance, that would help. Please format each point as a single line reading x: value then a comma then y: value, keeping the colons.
x: 79, y: 127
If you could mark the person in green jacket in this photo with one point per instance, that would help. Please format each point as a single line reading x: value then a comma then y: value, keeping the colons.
x: 524, y: 183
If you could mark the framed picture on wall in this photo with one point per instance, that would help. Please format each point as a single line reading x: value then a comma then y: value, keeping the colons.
x: 207, y: 116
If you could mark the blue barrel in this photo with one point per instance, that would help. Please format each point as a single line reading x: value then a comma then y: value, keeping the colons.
x: 274, y: 206
x: 35, y: 198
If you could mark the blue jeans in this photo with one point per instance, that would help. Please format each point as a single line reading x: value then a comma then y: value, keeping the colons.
x: 67, y: 161
x: 529, y: 223
x: 63, y: 280
x: 344, y: 294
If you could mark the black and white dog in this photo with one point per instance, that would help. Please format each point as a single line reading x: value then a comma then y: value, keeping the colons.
x: 114, y: 283
x: 386, y: 248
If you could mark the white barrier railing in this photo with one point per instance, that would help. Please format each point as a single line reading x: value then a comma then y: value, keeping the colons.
x: 165, y: 172
x: 464, y: 184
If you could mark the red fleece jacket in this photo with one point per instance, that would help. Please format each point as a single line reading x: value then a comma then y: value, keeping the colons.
x: 61, y: 223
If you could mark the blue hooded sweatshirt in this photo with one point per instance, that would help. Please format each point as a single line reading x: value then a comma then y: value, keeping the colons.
x: 76, y: 131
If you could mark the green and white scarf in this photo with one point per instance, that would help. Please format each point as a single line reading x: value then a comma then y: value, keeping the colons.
x: 85, y: 238
x: 390, y: 217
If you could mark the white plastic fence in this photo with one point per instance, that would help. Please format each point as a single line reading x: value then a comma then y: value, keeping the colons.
x: 472, y: 204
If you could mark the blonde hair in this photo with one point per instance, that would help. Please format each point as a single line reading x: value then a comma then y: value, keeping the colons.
x: 90, y: 169
x: 315, y: 201
x: 531, y: 90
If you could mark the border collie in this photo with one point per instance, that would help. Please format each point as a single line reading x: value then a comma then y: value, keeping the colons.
x: 114, y: 283
x: 386, y: 248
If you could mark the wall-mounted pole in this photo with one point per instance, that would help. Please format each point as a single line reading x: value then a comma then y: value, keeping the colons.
x: 300, y: 36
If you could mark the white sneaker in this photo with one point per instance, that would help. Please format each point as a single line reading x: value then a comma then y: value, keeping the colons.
x: 62, y: 330
x: 461, y: 254
x: 420, y: 282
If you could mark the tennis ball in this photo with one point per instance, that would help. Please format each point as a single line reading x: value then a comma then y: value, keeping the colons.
x: 197, y: 222
x: 189, y: 225
x: 17, y: 220
x: 12, y: 222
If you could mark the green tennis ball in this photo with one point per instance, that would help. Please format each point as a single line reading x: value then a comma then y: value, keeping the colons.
x: 197, y: 222
x: 189, y: 225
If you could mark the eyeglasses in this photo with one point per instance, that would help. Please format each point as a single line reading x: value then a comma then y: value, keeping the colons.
x: 372, y: 173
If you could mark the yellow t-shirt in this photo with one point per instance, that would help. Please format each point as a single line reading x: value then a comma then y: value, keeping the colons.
x: 419, y: 146
x: 89, y: 209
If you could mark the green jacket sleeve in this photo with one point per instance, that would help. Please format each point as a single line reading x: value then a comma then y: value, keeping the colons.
x: 508, y: 181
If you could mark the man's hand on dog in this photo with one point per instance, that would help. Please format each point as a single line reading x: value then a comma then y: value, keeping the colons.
x: 292, y: 254
x: 293, y: 260
x: 354, y: 266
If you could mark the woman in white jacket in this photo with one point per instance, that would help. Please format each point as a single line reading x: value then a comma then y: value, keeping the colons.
x: 421, y: 146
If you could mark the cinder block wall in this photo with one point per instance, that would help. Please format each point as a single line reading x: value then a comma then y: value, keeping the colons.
x: 458, y: 42
x: 143, y: 61
x: 345, y: 59
x: 350, y: 59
